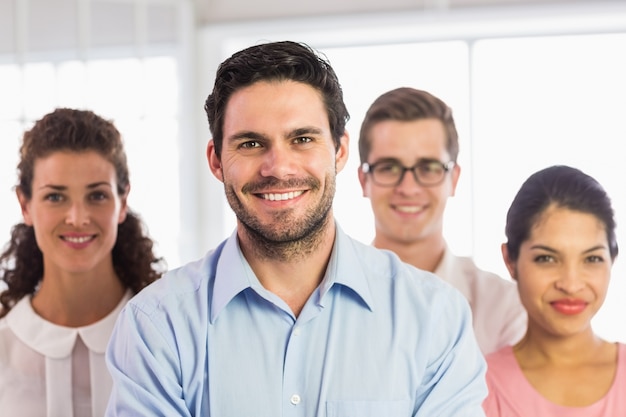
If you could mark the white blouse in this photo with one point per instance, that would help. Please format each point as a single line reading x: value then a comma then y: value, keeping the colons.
x: 51, y: 370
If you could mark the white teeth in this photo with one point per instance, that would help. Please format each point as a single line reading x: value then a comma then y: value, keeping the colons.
x: 408, y: 209
x: 81, y: 239
x: 281, y: 197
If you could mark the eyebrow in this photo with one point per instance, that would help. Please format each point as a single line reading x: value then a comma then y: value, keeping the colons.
x: 303, y: 131
x: 63, y: 187
x: 246, y: 135
x: 396, y: 160
x: 549, y: 249
x: 250, y: 135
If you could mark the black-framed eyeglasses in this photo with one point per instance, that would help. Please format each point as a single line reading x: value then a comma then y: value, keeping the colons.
x: 390, y: 172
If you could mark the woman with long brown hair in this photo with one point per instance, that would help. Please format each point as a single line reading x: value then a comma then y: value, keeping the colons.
x: 69, y: 268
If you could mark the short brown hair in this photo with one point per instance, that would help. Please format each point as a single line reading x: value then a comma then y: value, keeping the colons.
x: 408, y: 104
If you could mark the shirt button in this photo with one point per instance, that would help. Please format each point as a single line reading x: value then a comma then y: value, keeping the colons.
x: 296, y: 331
x: 295, y: 399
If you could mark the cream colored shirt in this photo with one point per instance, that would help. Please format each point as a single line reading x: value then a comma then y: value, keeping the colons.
x: 51, y: 370
x: 499, y: 319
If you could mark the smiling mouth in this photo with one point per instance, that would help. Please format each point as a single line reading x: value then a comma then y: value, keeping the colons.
x: 77, y: 239
x: 409, y: 209
x: 282, y: 196
x: 569, y: 307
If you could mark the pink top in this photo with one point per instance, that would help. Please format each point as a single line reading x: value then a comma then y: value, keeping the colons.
x: 511, y: 395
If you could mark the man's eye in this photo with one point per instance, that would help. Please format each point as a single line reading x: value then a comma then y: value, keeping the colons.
x: 250, y: 145
x: 388, y: 168
x: 430, y: 167
x: 303, y: 139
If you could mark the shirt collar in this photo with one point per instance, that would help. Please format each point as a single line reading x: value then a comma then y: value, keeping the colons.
x: 57, y: 342
x: 231, y: 276
x: 346, y: 267
x: 445, y: 264
x: 233, y: 273
x: 450, y: 271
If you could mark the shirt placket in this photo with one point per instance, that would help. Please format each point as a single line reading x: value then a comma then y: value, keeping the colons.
x: 59, y: 387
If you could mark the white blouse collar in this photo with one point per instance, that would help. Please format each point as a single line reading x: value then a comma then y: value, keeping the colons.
x: 56, y: 341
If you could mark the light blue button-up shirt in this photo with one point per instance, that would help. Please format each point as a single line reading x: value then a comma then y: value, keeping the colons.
x: 377, y: 338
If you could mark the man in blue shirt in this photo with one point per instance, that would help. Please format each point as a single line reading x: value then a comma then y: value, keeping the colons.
x: 290, y: 316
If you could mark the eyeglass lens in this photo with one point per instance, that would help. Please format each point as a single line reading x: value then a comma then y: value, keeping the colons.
x: 425, y: 172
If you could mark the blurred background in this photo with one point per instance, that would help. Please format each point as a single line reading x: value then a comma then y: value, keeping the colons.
x: 531, y: 84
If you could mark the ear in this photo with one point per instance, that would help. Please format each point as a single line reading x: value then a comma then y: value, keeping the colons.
x: 363, y: 181
x: 124, y: 205
x: 510, y: 265
x: 454, y: 175
x: 214, y: 161
x: 341, y: 156
x: 24, y: 206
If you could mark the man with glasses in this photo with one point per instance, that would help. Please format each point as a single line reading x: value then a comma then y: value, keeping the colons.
x: 408, y: 147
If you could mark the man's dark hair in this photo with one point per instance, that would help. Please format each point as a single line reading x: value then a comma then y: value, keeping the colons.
x: 276, y: 61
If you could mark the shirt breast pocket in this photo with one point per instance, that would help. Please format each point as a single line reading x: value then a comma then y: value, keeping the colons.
x: 369, y: 409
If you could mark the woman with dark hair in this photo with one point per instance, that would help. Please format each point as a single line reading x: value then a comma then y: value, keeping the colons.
x: 560, y: 249
x: 69, y: 268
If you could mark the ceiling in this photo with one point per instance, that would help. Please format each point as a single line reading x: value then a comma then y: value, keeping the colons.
x: 225, y: 11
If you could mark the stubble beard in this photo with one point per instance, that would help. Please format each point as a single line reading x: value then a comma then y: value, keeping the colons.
x: 285, y: 238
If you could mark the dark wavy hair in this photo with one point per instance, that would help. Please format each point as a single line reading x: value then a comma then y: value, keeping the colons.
x: 21, y: 263
x: 276, y: 61
x: 407, y: 104
x: 561, y: 186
